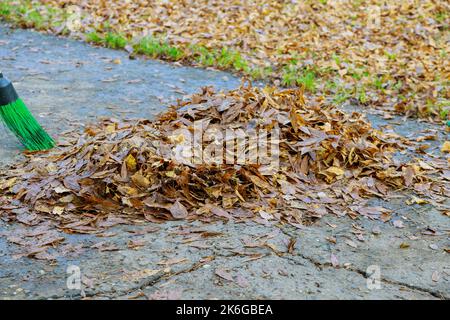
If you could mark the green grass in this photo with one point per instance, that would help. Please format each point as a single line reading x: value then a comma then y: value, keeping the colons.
x: 443, y: 107
x: 203, y: 55
x: 94, y: 37
x: 390, y: 56
x: 232, y: 59
x: 292, y: 75
x: 155, y: 48
x: 341, y: 97
x: 337, y: 90
x: 378, y: 83
x: 115, y: 40
x: 362, y: 96
x: 441, y: 16
x: 358, y: 73
x: 261, y: 72
x: 26, y: 15
x: 5, y: 9
x: 36, y: 19
x: 224, y: 59
x: 336, y: 59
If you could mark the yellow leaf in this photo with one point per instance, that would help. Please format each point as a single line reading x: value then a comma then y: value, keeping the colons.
x: 128, y: 190
x: 415, y: 200
x: 326, y: 127
x: 131, y: 162
x: 8, y: 183
x: 171, y: 174
x: 58, y: 210
x: 446, y: 146
x: 404, y: 245
x: 336, y: 171
x: 41, y: 207
x: 110, y: 128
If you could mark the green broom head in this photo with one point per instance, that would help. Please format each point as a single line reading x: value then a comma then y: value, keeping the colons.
x: 16, y: 116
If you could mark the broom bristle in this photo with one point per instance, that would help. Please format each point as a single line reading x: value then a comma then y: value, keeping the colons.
x: 21, y: 122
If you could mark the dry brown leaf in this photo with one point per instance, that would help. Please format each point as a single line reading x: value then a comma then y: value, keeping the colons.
x: 178, y: 211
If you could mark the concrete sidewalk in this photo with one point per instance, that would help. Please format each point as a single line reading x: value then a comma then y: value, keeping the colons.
x: 68, y: 84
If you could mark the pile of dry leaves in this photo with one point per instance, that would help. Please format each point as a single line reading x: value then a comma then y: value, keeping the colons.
x: 329, y: 162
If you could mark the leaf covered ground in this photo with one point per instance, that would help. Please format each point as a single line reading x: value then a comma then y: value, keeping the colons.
x: 331, y: 162
x: 389, y: 54
x: 123, y: 171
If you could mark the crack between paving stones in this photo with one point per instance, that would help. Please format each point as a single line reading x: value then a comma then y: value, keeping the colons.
x: 192, y: 268
x: 149, y: 281
x: 320, y: 265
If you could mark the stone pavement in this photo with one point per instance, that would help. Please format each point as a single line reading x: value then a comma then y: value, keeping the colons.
x: 68, y: 84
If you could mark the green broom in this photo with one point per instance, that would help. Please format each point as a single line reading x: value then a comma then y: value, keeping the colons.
x: 16, y: 116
